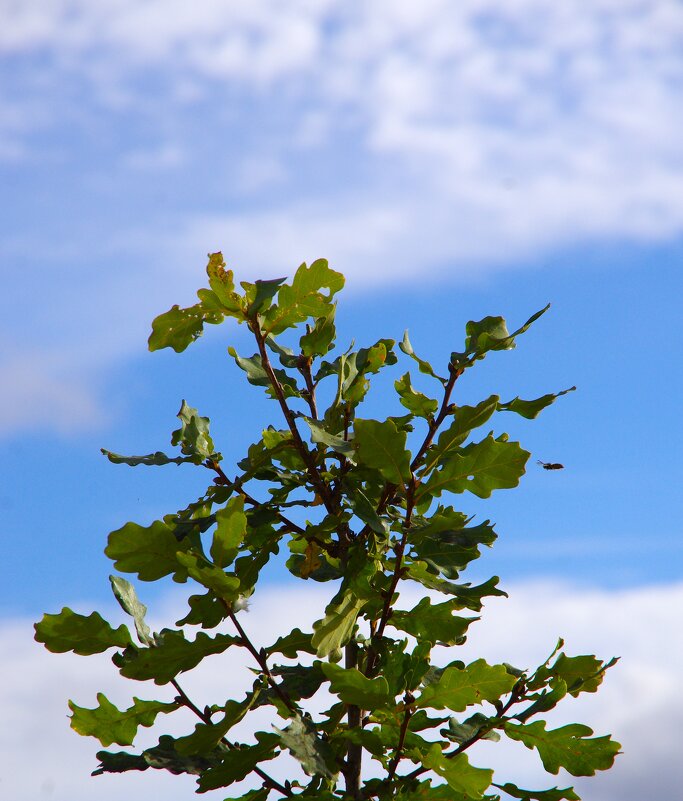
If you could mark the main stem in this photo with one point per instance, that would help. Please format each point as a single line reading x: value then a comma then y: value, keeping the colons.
x: 354, y: 754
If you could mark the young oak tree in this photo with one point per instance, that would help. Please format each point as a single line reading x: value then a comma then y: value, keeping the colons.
x: 360, y: 503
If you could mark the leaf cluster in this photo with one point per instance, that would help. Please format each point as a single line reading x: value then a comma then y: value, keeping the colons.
x: 364, y: 505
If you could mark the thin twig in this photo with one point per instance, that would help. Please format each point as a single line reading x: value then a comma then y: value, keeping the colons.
x: 319, y: 485
x: 205, y: 718
x: 514, y: 699
x: 408, y: 700
x: 260, y: 658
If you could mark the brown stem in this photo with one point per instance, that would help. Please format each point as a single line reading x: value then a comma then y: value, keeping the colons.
x: 205, y: 718
x: 514, y: 699
x: 408, y: 699
x: 386, y: 610
x: 444, y: 411
x: 260, y: 658
x: 354, y: 754
x: 304, y: 367
x: 319, y: 485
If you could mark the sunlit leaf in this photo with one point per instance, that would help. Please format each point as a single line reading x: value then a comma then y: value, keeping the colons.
x: 457, y: 771
x: 416, y: 402
x: 149, y: 551
x: 354, y: 688
x: 335, y: 629
x: 177, y: 328
x: 112, y: 725
x: 569, y: 747
x: 69, y: 631
x: 193, y: 435
x: 457, y: 689
x: 125, y: 594
x: 480, y: 468
x: 172, y: 654
x: 432, y: 623
x: 383, y: 447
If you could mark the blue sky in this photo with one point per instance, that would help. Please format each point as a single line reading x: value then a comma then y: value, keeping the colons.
x: 454, y: 160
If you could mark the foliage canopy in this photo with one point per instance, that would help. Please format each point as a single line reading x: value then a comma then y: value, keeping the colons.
x: 360, y: 503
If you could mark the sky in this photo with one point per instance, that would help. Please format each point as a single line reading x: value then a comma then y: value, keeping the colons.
x: 453, y: 160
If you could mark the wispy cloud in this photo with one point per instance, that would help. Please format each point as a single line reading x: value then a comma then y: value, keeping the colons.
x: 638, y: 703
x: 394, y: 138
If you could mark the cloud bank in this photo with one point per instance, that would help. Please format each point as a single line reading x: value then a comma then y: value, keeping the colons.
x: 639, y: 702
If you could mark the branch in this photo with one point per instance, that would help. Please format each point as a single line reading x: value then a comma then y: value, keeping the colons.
x: 512, y: 700
x: 260, y: 657
x: 444, y: 411
x: 319, y: 485
x: 399, y: 550
x: 354, y: 753
x: 304, y: 367
x: 408, y: 699
x: 184, y: 699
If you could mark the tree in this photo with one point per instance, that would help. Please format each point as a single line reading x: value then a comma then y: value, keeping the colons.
x: 360, y: 503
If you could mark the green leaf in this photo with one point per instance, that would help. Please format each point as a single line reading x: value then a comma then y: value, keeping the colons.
x: 239, y: 762
x: 317, y: 341
x: 383, y: 447
x: 210, y: 576
x: 193, y: 435
x: 567, y: 747
x: 69, y: 631
x: 457, y: 771
x: 264, y: 292
x: 177, y: 328
x: 416, y: 402
x: 253, y: 795
x: 257, y: 375
x: 151, y: 459
x: 548, y: 699
x: 303, y: 299
x: 491, y: 334
x: 531, y: 408
x: 313, y: 754
x: 354, y: 688
x: 469, y: 729
x: 223, y: 286
x: 292, y: 644
x: 365, y: 511
x: 230, y: 530
x: 336, y: 628
x: 125, y: 594
x: 171, y: 655
x: 334, y: 441
x: 467, y: 418
x: 149, y: 551
x: 206, y: 737
x: 165, y: 757
x: 111, y: 725
x: 448, y: 549
x: 466, y: 596
x: 206, y: 610
x: 119, y: 762
x: 434, y: 624
x: 480, y: 467
x: 425, y: 367
x: 457, y: 689
x: 553, y: 794
x: 582, y: 674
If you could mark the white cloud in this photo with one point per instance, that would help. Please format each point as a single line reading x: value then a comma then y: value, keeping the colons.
x: 547, y: 124
x: 38, y: 394
x: 639, y: 702
x: 396, y: 139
